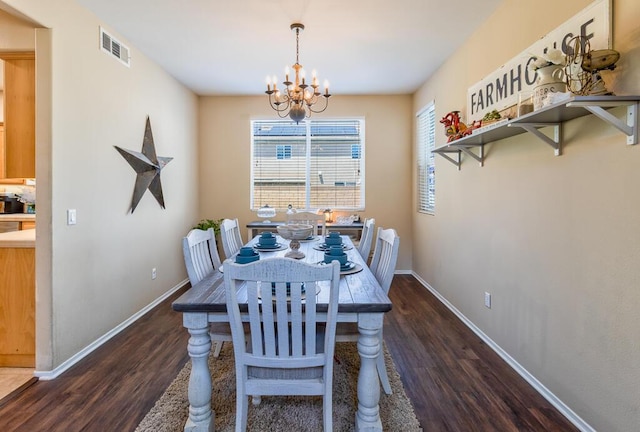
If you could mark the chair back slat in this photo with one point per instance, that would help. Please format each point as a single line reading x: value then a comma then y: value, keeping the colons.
x: 231, y: 238
x: 200, y: 253
x: 385, y: 257
x: 366, y: 239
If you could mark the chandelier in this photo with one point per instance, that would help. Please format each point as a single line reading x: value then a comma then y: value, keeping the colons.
x: 298, y: 99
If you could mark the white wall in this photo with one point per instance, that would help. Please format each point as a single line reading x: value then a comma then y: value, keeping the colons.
x: 225, y: 151
x: 98, y: 272
x: 555, y: 240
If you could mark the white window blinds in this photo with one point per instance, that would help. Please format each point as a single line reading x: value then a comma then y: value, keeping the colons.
x: 426, y: 134
x: 311, y: 165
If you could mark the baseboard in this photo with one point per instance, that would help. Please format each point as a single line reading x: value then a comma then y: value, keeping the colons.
x: 537, y: 385
x: 49, y: 375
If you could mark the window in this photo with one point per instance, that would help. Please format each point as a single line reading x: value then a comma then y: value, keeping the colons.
x: 355, y: 151
x: 283, y: 152
x: 426, y: 164
x: 311, y: 165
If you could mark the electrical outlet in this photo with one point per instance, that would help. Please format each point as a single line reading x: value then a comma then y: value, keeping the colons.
x: 487, y: 300
x: 154, y: 273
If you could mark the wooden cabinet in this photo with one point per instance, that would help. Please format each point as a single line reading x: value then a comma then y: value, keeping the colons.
x: 25, y: 225
x: 17, y: 306
x: 19, y: 115
x: 3, y: 173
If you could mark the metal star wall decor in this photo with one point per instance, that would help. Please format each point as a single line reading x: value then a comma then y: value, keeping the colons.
x: 148, y: 167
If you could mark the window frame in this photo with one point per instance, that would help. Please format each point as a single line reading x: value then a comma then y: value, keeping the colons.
x: 308, y: 168
x: 425, y: 139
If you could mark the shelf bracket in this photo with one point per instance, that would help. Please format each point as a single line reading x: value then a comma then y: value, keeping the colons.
x: 479, y: 157
x: 629, y: 128
x: 533, y: 129
x: 457, y: 162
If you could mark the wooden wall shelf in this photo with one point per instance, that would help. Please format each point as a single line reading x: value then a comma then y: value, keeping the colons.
x: 551, y: 116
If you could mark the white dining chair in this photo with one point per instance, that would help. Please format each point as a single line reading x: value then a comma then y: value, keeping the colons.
x: 231, y: 238
x: 310, y: 218
x: 289, y: 349
x: 366, y: 239
x: 383, y: 265
x: 201, y: 258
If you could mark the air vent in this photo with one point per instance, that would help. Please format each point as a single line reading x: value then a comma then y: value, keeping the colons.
x: 113, y: 47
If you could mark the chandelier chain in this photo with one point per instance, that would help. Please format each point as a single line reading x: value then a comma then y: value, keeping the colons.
x: 297, y: 46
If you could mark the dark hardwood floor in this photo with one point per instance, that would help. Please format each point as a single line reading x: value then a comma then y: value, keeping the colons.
x: 455, y: 381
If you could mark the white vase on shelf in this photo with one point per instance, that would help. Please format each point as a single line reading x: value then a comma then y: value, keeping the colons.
x: 550, y: 80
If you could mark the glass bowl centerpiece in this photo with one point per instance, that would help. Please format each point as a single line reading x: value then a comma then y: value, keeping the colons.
x: 295, y: 233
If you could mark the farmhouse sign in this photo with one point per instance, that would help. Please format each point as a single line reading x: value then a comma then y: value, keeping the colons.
x: 500, y: 89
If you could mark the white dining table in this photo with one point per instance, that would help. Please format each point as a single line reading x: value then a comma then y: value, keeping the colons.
x: 362, y: 300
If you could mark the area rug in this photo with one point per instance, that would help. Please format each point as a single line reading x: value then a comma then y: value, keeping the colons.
x: 286, y: 413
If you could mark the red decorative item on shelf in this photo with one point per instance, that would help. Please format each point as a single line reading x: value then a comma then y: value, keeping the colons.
x: 455, y: 129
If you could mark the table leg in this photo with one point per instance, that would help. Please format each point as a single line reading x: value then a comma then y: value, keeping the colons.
x: 369, y: 348
x: 201, y: 417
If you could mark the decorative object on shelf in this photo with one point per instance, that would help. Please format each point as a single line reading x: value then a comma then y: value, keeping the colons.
x: 491, y: 117
x: 295, y: 233
x: 299, y: 98
x: 290, y: 211
x: 525, y: 103
x: 148, y: 166
x: 549, y: 68
x: 584, y: 65
x: 265, y: 212
x: 455, y: 128
x: 328, y: 215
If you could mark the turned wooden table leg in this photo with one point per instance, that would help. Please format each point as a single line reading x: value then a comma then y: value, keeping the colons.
x: 201, y: 417
x: 369, y: 348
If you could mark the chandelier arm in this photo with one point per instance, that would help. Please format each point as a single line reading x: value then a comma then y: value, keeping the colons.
x: 283, y: 106
x: 326, y: 104
x: 282, y: 113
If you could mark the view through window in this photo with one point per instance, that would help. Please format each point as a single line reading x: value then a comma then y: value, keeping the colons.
x: 315, y: 164
x: 426, y: 163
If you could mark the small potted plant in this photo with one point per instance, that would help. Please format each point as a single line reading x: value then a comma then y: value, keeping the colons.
x: 205, y: 224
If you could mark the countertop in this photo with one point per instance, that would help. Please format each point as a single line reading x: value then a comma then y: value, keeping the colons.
x: 18, y: 239
x: 17, y: 217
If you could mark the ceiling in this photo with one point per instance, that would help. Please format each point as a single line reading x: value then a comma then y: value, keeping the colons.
x: 228, y: 47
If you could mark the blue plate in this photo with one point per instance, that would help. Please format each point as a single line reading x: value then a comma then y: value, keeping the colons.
x: 246, y: 259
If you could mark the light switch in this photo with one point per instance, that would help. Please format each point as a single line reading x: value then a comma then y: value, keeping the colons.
x: 71, y: 217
